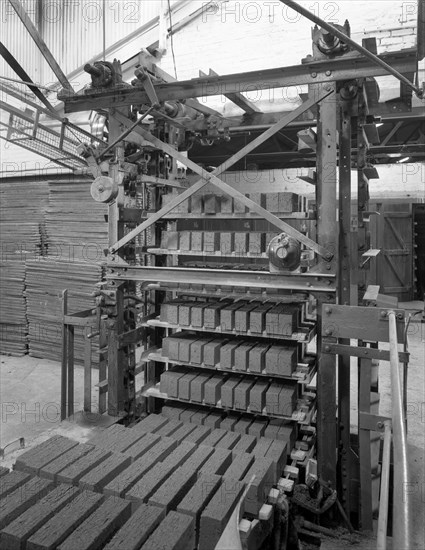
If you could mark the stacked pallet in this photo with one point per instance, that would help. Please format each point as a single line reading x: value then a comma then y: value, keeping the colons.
x: 76, y: 226
x: 13, y: 321
x: 46, y: 279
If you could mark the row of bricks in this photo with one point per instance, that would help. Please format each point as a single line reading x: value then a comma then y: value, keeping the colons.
x: 257, y: 318
x: 215, y: 204
x: 213, y: 241
x: 240, y: 355
x: 230, y: 392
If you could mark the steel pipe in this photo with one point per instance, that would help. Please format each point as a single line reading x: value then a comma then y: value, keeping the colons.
x: 385, y: 490
x: 347, y: 40
x: 401, y: 509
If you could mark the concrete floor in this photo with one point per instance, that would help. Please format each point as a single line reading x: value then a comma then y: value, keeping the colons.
x: 30, y: 408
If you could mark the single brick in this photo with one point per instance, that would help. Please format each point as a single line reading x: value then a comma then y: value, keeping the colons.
x: 227, y: 243
x: 107, y: 435
x: 185, y: 343
x: 122, y: 442
x: 245, y: 444
x: 164, y: 382
x: 212, y: 389
x: 287, y: 400
x: 239, y: 207
x: 172, y: 347
x: 143, y: 445
x: 23, y: 498
x: 272, y: 398
x: 198, y: 435
x: 287, y: 433
x: 122, y: 483
x: 75, y: 471
x: 33, y: 463
x: 184, y: 386
x: 281, y: 360
x: 197, y: 314
x: 101, y: 475
x: 188, y: 413
x: 272, y: 320
x: 173, y: 381
x: 99, y: 526
x: 229, y: 440
x: 257, y: 318
x: 258, y: 198
x: 197, y: 241
x: 218, y: 462
x: 229, y: 422
x: 242, y: 318
x: 239, y: 467
x: 241, y: 244
x: 15, y: 535
x: 287, y: 320
x: 199, y: 417
x: 261, y: 477
x: 272, y: 202
x: 151, y: 424
x: 256, y: 243
x: 212, y: 315
x: 172, y: 410
x: 170, y: 312
x: 258, y: 427
x: 60, y: 526
x: 137, y: 529
x: 211, y: 204
x: 212, y: 352
x: 170, y: 240
x: 181, y: 434
x: 217, y: 513
x: 175, y: 532
x: 211, y: 241
x: 243, y: 424
x: 228, y: 391
x: 197, y: 387
x: 168, y: 429
x: 197, y: 351
x: 226, y: 204
x: 262, y: 446
x: 199, y: 496
x: 39, y: 449
x: 285, y: 428
x: 214, y: 437
x: 242, y: 392
x: 257, y: 396
x: 227, y: 355
x: 288, y: 202
x: 227, y: 316
x: 257, y: 358
x: 242, y: 355
x: 51, y: 470
x: 12, y: 481
x: 184, y: 314
x: 185, y: 241
x: 278, y: 453
x: 213, y: 419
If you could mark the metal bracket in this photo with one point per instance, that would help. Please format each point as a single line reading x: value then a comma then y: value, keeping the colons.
x: 21, y: 441
x: 372, y: 422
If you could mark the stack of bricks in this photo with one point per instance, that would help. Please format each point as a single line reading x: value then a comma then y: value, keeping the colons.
x: 241, y: 317
x: 106, y: 493
x: 235, y: 355
x: 238, y: 244
x: 244, y: 393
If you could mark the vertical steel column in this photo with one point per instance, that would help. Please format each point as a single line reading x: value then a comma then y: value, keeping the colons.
x: 327, y: 236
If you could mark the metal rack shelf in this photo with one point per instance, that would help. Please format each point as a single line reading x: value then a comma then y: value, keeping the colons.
x: 205, y: 254
x: 236, y: 216
x: 300, y: 377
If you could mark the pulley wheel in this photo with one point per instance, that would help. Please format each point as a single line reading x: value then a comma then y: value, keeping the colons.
x: 104, y: 189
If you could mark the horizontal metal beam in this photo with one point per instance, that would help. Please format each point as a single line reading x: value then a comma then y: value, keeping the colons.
x: 364, y: 353
x: 348, y: 67
x: 174, y: 276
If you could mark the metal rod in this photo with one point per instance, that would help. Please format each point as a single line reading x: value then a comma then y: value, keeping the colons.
x: 401, y: 508
x: 347, y: 40
x: 126, y: 132
x: 385, y: 490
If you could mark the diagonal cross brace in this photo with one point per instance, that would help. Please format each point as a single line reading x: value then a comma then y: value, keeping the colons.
x: 207, y: 177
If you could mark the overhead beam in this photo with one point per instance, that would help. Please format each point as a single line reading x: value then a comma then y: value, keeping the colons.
x: 41, y: 45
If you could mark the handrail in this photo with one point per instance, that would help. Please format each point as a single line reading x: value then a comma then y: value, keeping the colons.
x: 401, y: 509
x: 385, y: 490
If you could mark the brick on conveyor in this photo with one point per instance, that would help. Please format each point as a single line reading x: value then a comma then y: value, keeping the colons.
x: 288, y: 202
x: 104, y: 436
x: 175, y: 532
x: 185, y: 343
x: 228, y: 391
x: 189, y: 411
x: 101, y: 475
x: 197, y: 387
x: 242, y: 393
x: 239, y: 466
x: 3, y: 471
x: 239, y: 208
x: 242, y: 356
x: 197, y: 314
x: 22, y: 498
x: 172, y: 410
x: 258, y: 198
x: 245, y: 444
x: 243, y: 424
x: 257, y: 396
x: 137, y: 529
x: 173, y: 381
x: 229, y: 422
x: 150, y: 424
x: 11, y: 481
x: 258, y: 427
x: 173, y: 348
x: 227, y: 354
x: 199, y: 417
x: 287, y: 400
x: 212, y: 352
x: 261, y: 447
x: 211, y: 204
x: 217, y: 513
x: 185, y: 241
x: 257, y: 358
x: 229, y: 440
x: 241, y: 244
x: 282, y: 430
x: 122, y: 442
x: 257, y: 318
x: 45, y: 453
x: 51, y: 470
x: 227, y: 316
x: 147, y: 485
x: 16, y: 533
x: 184, y: 314
x: 227, y: 243
x: 124, y: 481
x: 199, y: 434
x: 272, y: 320
x: 212, y: 389
x: 278, y: 453
x: 197, y: 350
x: 264, y: 472
x: 168, y: 429
x: 163, y: 382
x: 184, y: 385
x: 214, y: 437
x: 272, y: 398
x: 242, y: 316
x: 226, y: 205
x: 75, y: 471
x: 99, y: 526
x: 172, y: 491
x: 60, y: 526
x: 170, y: 240
x: 170, y: 312
x: 218, y: 462
x: 213, y: 419
x: 142, y: 446
x: 181, y: 434
x: 280, y: 360
x: 272, y: 202
x: 288, y: 319
x: 197, y: 239
x: 211, y: 241
x: 212, y: 315
x: 256, y: 243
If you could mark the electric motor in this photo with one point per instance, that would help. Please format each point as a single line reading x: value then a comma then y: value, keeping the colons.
x: 284, y: 253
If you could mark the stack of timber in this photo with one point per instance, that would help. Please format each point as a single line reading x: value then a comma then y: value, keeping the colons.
x: 46, y: 279
x: 76, y: 225
x: 13, y: 321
